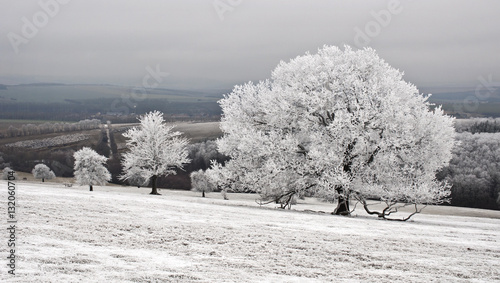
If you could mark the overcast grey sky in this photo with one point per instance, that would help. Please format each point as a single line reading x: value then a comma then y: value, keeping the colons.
x: 220, y: 43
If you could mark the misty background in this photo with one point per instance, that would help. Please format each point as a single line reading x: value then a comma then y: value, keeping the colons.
x: 217, y: 44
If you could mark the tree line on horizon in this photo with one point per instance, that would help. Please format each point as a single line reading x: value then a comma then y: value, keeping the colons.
x: 49, y: 127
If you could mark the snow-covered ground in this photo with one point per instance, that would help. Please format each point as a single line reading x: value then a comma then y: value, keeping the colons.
x: 122, y: 234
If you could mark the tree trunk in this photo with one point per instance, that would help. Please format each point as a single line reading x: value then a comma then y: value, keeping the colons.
x: 154, y: 191
x: 43, y: 180
x: 224, y: 194
x: 203, y: 194
x: 343, y: 200
x: 91, y: 188
x: 342, y: 205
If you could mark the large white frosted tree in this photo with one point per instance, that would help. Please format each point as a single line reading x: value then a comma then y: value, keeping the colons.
x: 154, y: 150
x: 42, y: 171
x: 338, y: 124
x: 89, y: 168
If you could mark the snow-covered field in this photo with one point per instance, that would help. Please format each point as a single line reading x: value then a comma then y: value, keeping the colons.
x: 122, y: 234
x: 48, y: 142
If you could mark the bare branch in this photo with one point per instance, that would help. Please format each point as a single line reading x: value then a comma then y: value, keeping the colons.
x: 302, y: 150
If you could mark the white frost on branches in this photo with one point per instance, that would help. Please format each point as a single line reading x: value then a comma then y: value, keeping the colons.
x: 336, y: 124
x: 155, y: 150
x: 6, y: 172
x: 200, y: 182
x: 42, y: 171
x: 89, y: 168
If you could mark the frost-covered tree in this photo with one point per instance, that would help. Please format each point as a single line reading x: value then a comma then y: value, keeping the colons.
x: 333, y: 123
x: 474, y: 170
x: 7, y: 172
x: 12, y: 131
x: 155, y: 150
x: 137, y: 179
x: 3, y: 164
x: 221, y: 178
x: 478, y: 125
x: 89, y: 168
x: 202, y: 153
x: 200, y: 182
x: 42, y: 171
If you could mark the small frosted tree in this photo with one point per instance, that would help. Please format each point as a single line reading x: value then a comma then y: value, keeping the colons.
x: 200, y: 182
x: 42, y: 171
x: 89, y: 168
x: 136, y: 179
x: 7, y: 172
x: 220, y: 178
x: 155, y: 150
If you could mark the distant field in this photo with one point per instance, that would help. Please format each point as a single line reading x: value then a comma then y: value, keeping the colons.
x: 6, y: 140
x: 92, y: 139
x: 5, y: 123
x: 460, y: 94
x: 69, y: 93
x: 199, y: 131
x: 78, y: 102
x: 194, y: 131
x: 491, y: 109
x: 122, y: 234
x: 51, y: 94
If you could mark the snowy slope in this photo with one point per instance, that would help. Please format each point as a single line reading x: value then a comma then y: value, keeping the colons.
x: 120, y: 234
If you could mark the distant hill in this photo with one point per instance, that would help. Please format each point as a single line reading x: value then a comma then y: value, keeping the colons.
x: 41, y: 84
x: 70, y: 93
x: 74, y: 102
x: 60, y: 93
x: 484, y: 95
